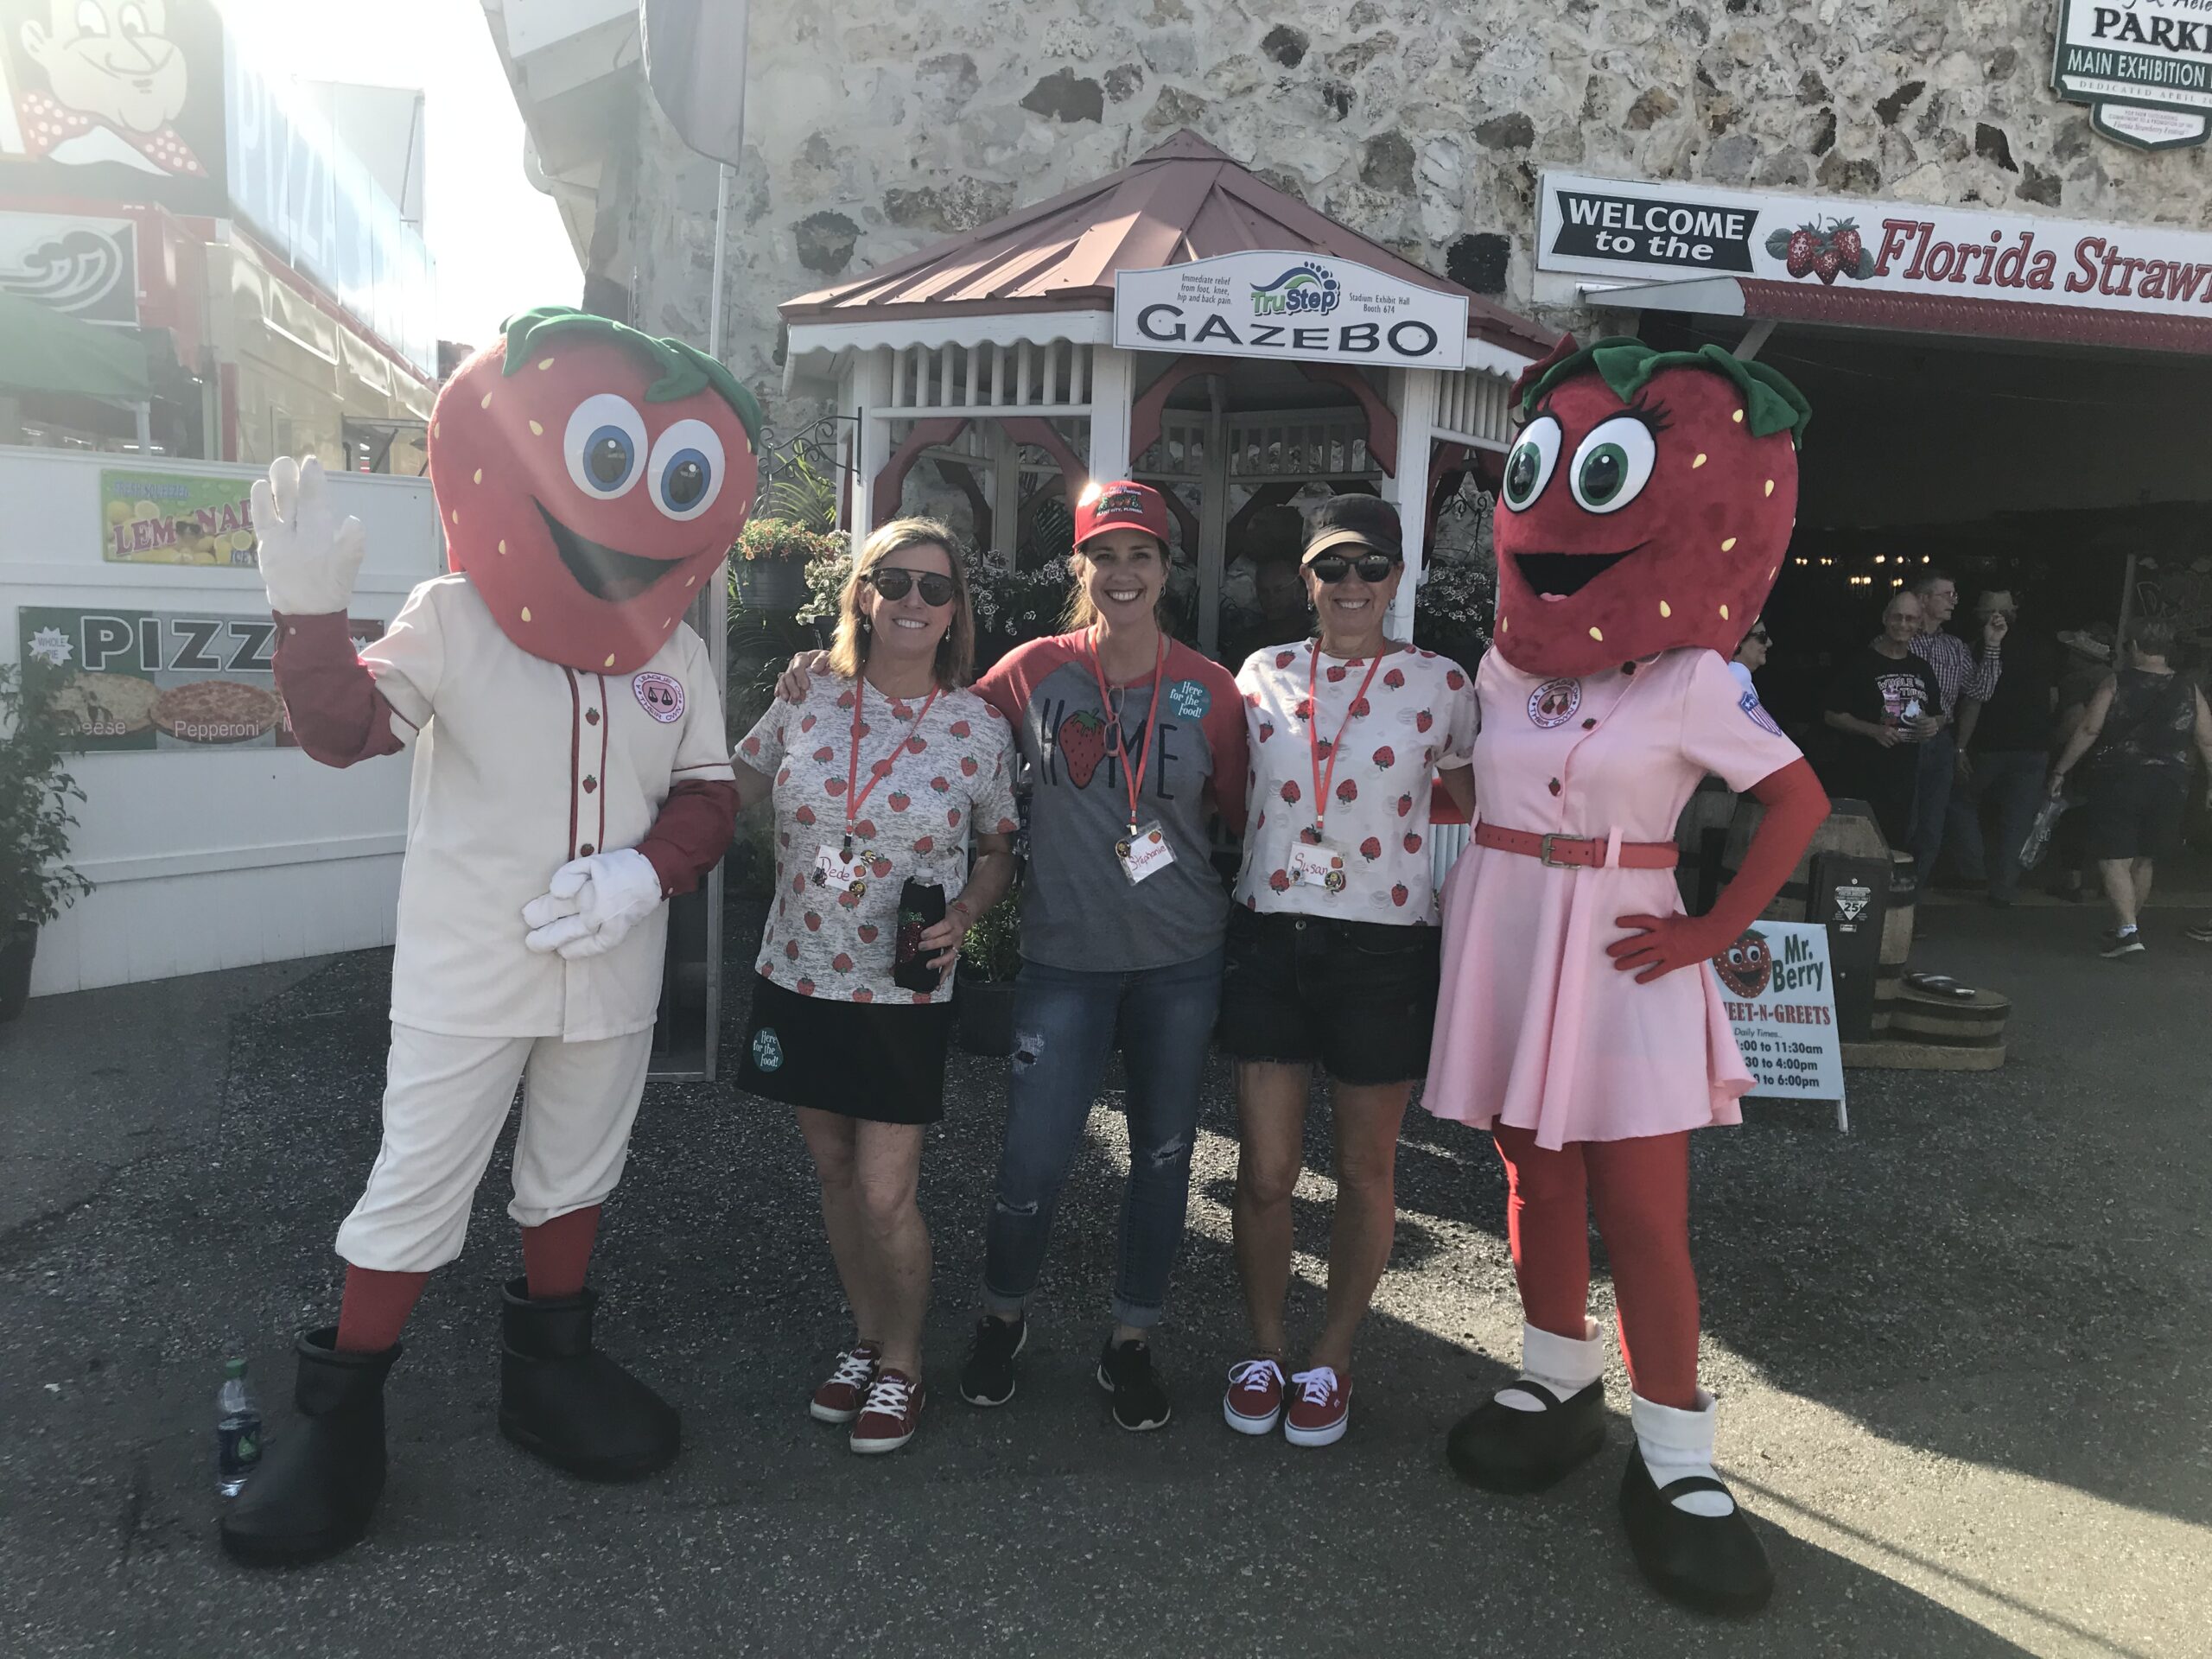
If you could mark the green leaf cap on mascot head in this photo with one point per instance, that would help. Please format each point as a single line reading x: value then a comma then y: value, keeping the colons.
x: 589, y: 481
x: 1647, y: 504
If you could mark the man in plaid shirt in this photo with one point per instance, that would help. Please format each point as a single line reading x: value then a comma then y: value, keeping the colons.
x: 1958, y: 674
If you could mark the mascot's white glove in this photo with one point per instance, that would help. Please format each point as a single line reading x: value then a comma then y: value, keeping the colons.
x: 592, y: 902
x: 309, y: 556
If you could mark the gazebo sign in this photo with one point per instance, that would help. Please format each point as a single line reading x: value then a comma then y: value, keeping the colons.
x: 2144, y: 66
x: 1297, y: 306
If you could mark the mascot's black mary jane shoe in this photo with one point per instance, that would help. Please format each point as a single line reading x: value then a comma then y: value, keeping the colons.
x: 1713, y: 1563
x: 319, y: 1481
x: 1501, y: 1450
x: 560, y: 1400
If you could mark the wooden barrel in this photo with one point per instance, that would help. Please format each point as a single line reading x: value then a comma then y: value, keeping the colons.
x: 1897, y: 940
x: 1849, y: 828
x: 1949, y: 1021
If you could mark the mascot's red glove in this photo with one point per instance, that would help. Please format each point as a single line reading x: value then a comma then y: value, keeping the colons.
x: 1796, y: 806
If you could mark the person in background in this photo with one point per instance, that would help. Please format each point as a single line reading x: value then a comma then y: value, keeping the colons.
x: 1960, y: 673
x: 2140, y: 724
x: 888, y: 771
x: 1332, y: 948
x: 1882, y: 704
x: 2087, y: 662
x: 1262, y: 591
x: 1751, y: 655
x: 2002, y: 754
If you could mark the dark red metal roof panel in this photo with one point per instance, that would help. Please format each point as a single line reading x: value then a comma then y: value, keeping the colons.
x: 1934, y: 314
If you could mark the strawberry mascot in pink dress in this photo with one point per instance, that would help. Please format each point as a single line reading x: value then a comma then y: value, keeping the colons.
x: 1646, y: 507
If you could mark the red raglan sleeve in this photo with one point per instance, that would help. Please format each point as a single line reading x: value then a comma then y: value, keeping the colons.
x: 331, y: 700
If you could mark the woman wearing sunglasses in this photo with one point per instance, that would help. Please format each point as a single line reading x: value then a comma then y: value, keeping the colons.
x: 1332, y: 947
x: 884, y: 776
x: 1130, y: 741
x: 1751, y: 655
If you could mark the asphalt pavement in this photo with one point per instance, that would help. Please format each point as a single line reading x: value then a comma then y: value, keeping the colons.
x: 1953, y: 1349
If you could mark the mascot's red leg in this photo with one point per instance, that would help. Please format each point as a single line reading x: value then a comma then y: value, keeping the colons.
x: 1640, y: 1190
x: 555, y: 1253
x: 376, y: 1308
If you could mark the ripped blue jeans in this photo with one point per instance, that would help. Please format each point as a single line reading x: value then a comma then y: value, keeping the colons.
x: 1065, y: 1023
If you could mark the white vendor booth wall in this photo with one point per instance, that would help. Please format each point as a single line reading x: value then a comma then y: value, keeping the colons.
x: 211, y: 843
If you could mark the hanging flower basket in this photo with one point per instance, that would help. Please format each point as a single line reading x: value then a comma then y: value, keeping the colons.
x: 769, y: 562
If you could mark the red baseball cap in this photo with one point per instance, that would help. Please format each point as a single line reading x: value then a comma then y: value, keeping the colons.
x: 1120, y: 504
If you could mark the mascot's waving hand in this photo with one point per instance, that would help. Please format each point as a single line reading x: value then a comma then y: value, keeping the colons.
x: 1646, y: 506
x: 570, y: 774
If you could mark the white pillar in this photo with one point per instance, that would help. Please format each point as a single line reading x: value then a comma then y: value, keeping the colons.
x: 1414, y: 398
x: 1113, y: 387
x: 871, y: 394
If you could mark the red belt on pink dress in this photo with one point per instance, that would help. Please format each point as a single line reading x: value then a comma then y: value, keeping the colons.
x: 1580, y: 853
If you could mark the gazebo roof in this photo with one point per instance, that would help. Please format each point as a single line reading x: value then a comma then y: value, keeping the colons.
x: 1183, y: 200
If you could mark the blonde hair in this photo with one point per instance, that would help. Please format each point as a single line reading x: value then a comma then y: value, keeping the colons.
x: 956, y: 651
x: 1082, y: 612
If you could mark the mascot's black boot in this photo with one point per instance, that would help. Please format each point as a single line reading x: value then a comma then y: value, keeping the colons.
x: 566, y: 1403
x: 1501, y: 1450
x: 1714, y: 1563
x: 319, y: 1482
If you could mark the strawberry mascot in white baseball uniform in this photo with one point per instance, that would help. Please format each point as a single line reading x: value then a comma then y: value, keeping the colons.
x: 570, y: 774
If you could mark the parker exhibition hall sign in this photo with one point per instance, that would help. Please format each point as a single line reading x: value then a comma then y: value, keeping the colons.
x: 1295, y: 306
x: 1642, y: 233
x: 2144, y: 67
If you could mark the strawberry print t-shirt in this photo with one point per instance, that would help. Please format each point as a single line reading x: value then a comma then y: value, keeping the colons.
x: 950, y: 780
x: 1418, y: 715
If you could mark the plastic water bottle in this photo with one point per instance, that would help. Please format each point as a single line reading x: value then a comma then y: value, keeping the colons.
x: 238, y: 1430
x: 2038, y: 838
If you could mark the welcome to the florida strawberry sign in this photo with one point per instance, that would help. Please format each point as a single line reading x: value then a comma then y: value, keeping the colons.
x: 1638, y: 233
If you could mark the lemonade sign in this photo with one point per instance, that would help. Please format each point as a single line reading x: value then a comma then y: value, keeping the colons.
x: 175, y: 518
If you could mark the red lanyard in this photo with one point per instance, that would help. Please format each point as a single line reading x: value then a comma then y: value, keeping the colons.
x: 1323, y: 779
x: 1118, y: 746
x: 853, y: 794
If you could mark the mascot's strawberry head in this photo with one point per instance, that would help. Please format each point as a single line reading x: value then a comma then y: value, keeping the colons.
x: 1647, y: 504
x: 590, y: 480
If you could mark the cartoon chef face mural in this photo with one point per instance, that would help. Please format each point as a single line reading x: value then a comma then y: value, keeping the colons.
x: 1647, y: 504
x: 590, y: 480
x: 117, y: 80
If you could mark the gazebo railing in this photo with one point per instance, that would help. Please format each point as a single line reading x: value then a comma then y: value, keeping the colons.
x: 1023, y: 377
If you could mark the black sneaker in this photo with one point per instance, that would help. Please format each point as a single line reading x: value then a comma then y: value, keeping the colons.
x: 1139, y: 1398
x: 2122, y: 942
x: 987, y: 1377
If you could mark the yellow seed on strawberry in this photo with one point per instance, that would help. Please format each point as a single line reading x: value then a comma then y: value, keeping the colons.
x: 525, y: 613
x: 1665, y: 609
x: 1727, y: 544
x: 1724, y: 613
x: 1770, y: 486
x: 1599, y: 636
x: 1698, y: 462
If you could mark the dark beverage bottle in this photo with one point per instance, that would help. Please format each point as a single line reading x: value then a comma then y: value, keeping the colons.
x: 921, y: 906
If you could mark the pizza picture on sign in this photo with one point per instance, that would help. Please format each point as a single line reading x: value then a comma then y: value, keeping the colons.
x: 217, y: 711
x: 106, y: 705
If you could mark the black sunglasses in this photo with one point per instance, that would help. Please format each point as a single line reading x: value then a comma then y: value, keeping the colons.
x: 1760, y: 637
x: 893, y: 582
x: 1333, y: 568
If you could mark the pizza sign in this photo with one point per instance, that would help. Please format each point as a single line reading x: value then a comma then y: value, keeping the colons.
x: 134, y: 680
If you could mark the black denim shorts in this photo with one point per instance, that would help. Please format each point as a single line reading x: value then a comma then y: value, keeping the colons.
x: 1359, y: 997
x: 881, y: 1062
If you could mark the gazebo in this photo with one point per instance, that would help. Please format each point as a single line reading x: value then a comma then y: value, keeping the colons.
x: 1180, y: 321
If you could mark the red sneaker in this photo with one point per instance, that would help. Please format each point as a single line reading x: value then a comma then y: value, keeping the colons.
x: 893, y: 1412
x: 839, y: 1399
x: 1254, y: 1401
x: 1322, y: 1411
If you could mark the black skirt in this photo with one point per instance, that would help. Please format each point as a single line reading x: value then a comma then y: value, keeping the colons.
x: 881, y: 1062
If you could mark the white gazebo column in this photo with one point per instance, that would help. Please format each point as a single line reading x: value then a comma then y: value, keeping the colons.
x: 1005, y: 495
x: 872, y: 397
x: 1406, y: 487
x: 1113, y: 388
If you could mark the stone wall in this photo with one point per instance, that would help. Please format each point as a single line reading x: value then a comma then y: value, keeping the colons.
x: 882, y: 125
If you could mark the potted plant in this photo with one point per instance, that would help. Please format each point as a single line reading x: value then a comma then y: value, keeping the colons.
x: 769, y: 562
x: 35, y: 886
x: 990, y: 962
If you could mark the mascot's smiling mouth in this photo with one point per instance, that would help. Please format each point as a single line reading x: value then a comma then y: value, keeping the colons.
x: 601, y: 571
x: 1562, y: 575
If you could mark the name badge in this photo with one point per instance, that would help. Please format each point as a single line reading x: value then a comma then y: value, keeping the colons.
x: 1317, y: 864
x: 1144, y: 853
x: 833, y: 870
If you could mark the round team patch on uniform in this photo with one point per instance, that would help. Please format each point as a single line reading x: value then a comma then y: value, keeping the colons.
x: 659, y: 694
x: 767, y: 1049
x: 1750, y: 703
x: 1553, y: 703
x: 1190, y: 699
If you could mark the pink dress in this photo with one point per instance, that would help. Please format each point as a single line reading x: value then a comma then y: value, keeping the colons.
x: 1533, y: 1023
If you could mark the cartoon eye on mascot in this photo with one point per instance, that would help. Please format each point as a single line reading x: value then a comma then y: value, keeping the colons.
x: 1646, y: 506
x: 569, y: 775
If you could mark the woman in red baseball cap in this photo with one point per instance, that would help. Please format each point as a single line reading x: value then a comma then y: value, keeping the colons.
x: 1132, y: 741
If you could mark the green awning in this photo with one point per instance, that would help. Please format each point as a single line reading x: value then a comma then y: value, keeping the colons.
x: 45, y: 350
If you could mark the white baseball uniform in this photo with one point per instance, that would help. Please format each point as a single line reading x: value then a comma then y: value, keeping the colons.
x: 520, y: 765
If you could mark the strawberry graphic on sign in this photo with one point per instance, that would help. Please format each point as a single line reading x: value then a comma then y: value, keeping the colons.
x: 1823, y: 251
x: 1081, y: 740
